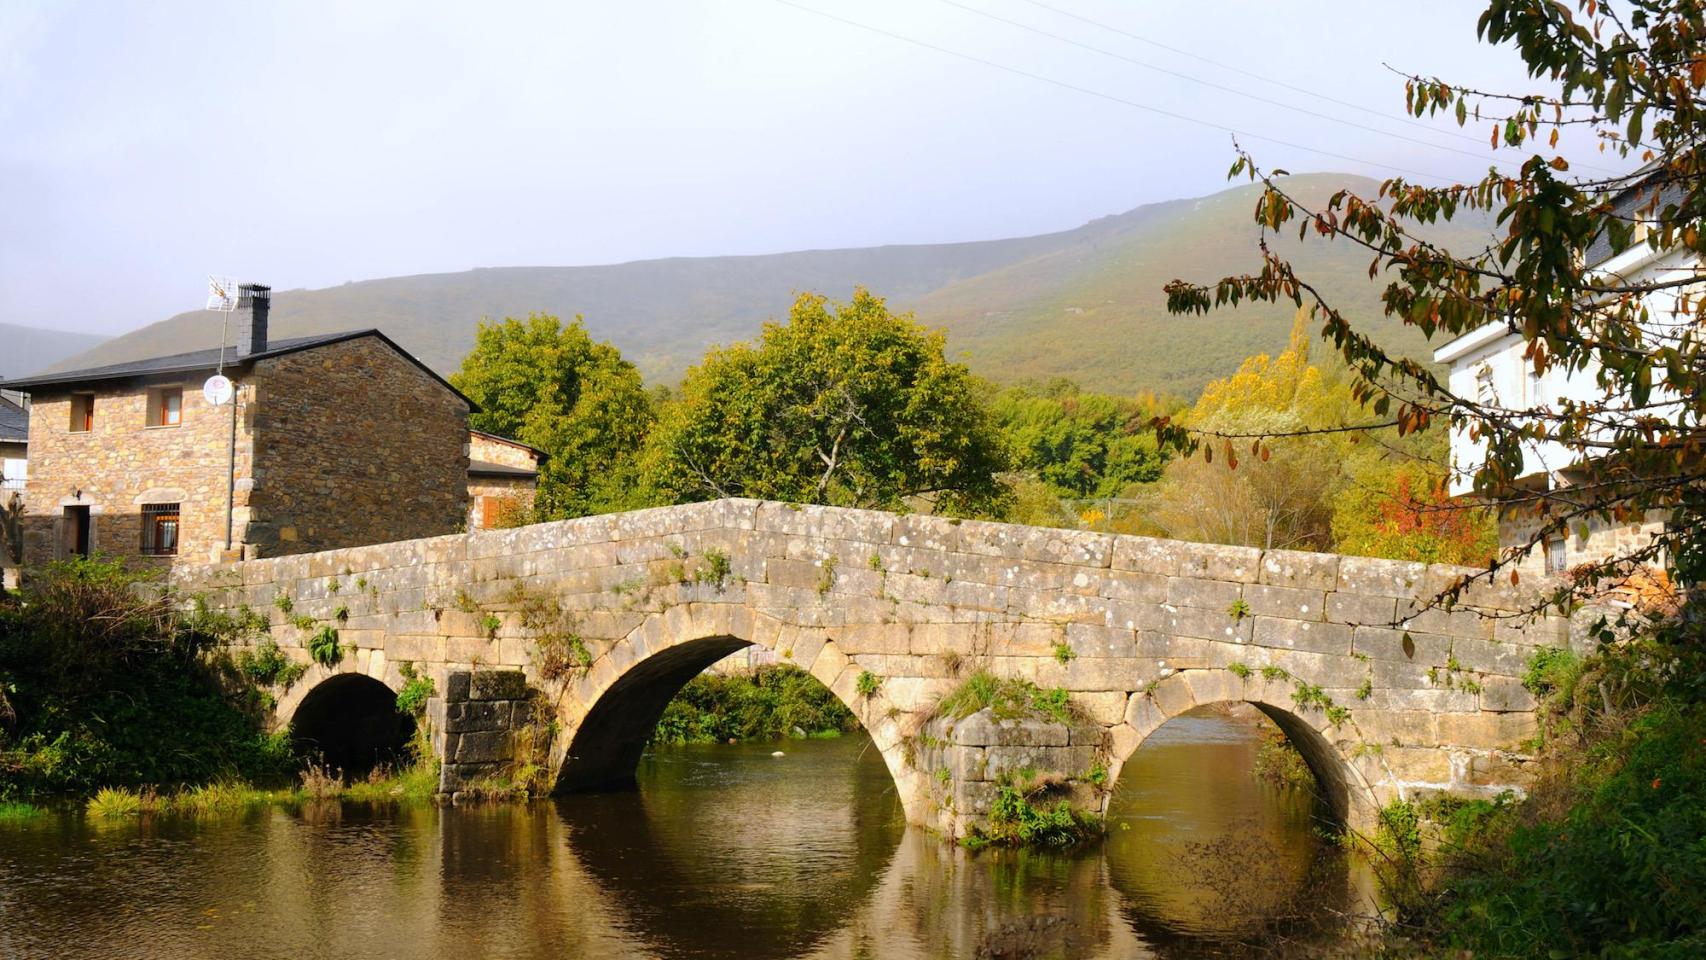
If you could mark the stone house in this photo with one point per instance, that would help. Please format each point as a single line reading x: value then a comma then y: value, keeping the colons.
x: 329, y: 441
x: 503, y: 476
x: 1487, y: 365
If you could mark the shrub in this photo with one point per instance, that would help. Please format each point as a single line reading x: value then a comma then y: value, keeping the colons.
x: 868, y: 683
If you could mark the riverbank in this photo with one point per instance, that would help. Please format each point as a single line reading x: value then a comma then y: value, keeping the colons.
x: 774, y: 702
x: 1605, y: 855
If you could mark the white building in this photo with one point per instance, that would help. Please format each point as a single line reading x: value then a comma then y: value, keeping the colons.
x: 1487, y: 365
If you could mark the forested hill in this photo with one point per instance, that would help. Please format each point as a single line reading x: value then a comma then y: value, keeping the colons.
x: 1084, y: 303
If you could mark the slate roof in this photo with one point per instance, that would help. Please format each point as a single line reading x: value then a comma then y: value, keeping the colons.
x: 14, y: 422
x: 209, y: 359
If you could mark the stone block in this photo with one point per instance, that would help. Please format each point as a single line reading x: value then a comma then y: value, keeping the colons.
x: 1292, y: 603
x: 1317, y: 637
x: 1453, y: 623
x: 1212, y: 594
x: 497, y: 685
x: 1382, y: 643
x: 473, y: 715
x: 1094, y: 640
x: 1505, y: 695
x: 1496, y: 769
x: 1417, y: 765
x: 1362, y: 610
x: 1488, y: 656
x: 1213, y: 561
x: 1207, y: 623
x: 1486, y: 731
x: 1294, y: 568
x: 1131, y: 586
x: 1381, y: 578
x: 485, y: 746
x: 457, y: 685
x: 1146, y: 555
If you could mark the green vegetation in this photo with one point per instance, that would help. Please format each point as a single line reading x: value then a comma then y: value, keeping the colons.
x: 1021, y: 817
x: 324, y: 648
x: 1239, y: 670
x: 551, y: 386
x: 1064, y: 654
x: 1604, y: 856
x: 713, y: 569
x: 1069, y: 444
x: 1279, y: 764
x: 13, y: 811
x: 106, y: 685
x: 1238, y: 610
x: 844, y: 404
x: 417, y: 687
x: 826, y: 576
x: 266, y: 665
x: 1006, y: 699
x: 771, y: 703
x: 868, y: 683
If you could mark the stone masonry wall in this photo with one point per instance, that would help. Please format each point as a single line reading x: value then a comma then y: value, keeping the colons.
x: 124, y: 463
x: 355, y: 444
x: 1386, y: 697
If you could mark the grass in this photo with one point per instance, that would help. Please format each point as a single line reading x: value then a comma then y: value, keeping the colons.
x: 18, y: 812
x: 1006, y: 699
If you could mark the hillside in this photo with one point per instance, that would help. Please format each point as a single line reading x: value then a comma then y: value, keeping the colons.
x: 1084, y: 303
x: 28, y: 349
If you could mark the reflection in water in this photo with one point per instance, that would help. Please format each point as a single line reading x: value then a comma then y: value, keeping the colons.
x: 723, y: 852
x: 1200, y: 850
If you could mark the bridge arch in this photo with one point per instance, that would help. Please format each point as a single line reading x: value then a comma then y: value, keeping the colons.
x: 610, y: 712
x: 1347, y: 790
x: 346, y: 715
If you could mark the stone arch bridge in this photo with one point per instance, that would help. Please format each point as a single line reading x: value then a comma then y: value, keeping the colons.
x: 602, y: 619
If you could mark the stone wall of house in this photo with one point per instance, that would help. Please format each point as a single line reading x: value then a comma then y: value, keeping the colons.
x: 1605, y: 539
x: 488, y: 497
x: 487, y: 450
x: 355, y: 445
x: 124, y: 463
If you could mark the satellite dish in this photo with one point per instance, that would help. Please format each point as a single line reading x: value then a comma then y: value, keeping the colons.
x: 218, y: 390
x: 221, y: 294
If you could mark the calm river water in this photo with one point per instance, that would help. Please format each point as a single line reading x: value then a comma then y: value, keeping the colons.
x: 725, y: 851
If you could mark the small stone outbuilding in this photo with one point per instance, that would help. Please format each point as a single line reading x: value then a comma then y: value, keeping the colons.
x: 503, y: 477
x: 329, y: 441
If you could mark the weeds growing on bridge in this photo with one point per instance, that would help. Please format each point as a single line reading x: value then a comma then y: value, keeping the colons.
x: 1006, y: 699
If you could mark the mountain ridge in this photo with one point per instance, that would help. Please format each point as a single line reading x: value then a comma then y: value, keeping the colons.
x: 1085, y: 302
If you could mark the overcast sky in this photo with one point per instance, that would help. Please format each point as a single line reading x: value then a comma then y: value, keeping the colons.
x: 143, y: 146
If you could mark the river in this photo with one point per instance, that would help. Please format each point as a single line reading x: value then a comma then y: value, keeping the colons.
x: 724, y: 851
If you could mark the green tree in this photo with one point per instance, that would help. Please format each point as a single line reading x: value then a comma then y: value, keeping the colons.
x: 1632, y: 74
x: 552, y: 386
x: 1081, y: 444
x: 845, y: 404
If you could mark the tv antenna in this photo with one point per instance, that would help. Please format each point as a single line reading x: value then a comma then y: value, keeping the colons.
x: 222, y: 295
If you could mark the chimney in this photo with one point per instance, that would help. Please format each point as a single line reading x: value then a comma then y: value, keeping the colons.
x: 253, y: 300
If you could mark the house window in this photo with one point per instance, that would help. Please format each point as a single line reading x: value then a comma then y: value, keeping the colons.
x: 159, y: 529
x: 1555, y: 557
x: 166, y: 407
x: 82, y: 412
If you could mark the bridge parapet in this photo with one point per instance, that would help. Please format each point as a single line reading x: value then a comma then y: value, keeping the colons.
x: 610, y: 615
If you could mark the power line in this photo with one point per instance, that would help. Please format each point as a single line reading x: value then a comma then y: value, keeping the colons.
x: 1248, y: 73
x: 1477, y: 155
x: 1017, y: 71
x: 1384, y: 115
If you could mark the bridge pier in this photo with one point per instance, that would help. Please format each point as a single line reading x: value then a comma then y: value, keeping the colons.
x: 475, y: 724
